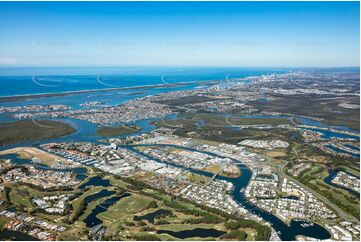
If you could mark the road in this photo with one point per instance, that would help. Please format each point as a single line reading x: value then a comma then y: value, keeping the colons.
x: 340, y: 212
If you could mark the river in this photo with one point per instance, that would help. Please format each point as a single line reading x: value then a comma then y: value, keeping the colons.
x: 86, y: 132
x: 285, y: 232
x: 332, y: 175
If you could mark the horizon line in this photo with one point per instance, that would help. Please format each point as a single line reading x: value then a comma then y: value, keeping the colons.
x: 177, y: 66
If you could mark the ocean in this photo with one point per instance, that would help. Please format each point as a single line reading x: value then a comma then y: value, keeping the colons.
x: 27, y: 81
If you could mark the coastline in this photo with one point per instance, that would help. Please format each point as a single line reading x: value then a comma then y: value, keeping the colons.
x: 22, y: 97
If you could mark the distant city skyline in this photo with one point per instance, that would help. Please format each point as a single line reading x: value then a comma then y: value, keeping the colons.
x: 237, y: 34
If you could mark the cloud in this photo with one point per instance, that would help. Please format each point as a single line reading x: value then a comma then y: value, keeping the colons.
x: 7, y: 61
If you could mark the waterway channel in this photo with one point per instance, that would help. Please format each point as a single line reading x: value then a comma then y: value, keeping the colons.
x: 86, y: 132
x: 332, y: 175
x: 285, y: 232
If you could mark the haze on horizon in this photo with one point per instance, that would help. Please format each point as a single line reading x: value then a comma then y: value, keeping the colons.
x: 298, y: 34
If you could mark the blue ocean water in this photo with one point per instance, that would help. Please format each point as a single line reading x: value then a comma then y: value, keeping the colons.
x: 25, y: 81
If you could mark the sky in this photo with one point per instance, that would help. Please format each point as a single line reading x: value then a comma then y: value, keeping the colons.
x: 239, y: 34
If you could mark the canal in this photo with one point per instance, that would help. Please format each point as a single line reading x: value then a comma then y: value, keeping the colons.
x: 285, y: 232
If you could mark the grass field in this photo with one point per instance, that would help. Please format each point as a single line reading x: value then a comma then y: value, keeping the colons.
x: 125, y: 208
x: 36, y: 193
x: 20, y: 199
x: 197, y: 179
x: 3, y: 221
x: 116, y: 182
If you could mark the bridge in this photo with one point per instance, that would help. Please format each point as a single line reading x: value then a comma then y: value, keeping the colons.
x: 215, y: 175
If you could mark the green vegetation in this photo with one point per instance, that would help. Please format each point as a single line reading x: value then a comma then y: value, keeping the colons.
x: 21, y: 200
x: 119, y: 218
x: 348, y: 164
x: 235, y: 235
x: 263, y: 232
x: 317, y: 156
x: 74, y: 234
x: 314, y: 178
x: 161, y: 222
x: 348, y: 170
x: 32, y: 131
x: 205, y: 219
x: 217, y: 127
x: 117, y: 130
x: 144, y: 237
x: 78, y: 204
x: 188, y: 100
x: 184, y: 215
x: 197, y: 179
x: 221, y: 120
x: 313, y: 105
x: 126, y: 207
x: 78, y: 211
x: 6, y: 194
x: 3, y: 221
x: 152, y: 204
x: 34, y: 192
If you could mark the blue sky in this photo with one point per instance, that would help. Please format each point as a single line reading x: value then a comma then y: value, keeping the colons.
x: 267, y: 34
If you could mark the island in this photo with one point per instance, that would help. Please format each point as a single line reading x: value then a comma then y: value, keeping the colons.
x: 32, y: 130
x: 117, y: 130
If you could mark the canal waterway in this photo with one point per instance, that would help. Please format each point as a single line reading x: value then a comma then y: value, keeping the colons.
x: 332, y: 175
x: 16, y: 160
x: 86, y: 132
x: 285, y: 232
